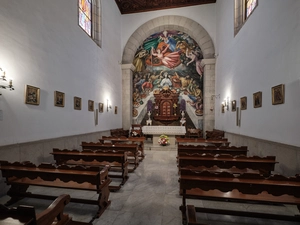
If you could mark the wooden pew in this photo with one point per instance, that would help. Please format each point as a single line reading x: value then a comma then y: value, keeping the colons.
x: 116, y: 160
x: 215, y: 169
x: 193, y: 133
x: 216, y: 142
x: 119, y: 132
x: 214, y: 134
x: 248, y: 188
x: 53, y: 215
x: 22, y: 175
x: 122, y: 140
x: 231, y: 150
x: 131, y: 148
x: 264, y: 164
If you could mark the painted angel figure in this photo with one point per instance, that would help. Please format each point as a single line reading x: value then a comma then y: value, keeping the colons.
x: 195, y: 57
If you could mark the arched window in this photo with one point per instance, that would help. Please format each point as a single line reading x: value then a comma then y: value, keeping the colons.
x: 89, y: 18
x: 242, y: 10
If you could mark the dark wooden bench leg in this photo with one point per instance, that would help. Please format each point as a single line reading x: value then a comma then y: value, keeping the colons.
x: 16, y: 193
x: 103, y: 201
x: 124, y: 174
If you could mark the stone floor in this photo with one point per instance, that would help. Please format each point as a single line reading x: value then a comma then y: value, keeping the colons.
x: 150, y: 197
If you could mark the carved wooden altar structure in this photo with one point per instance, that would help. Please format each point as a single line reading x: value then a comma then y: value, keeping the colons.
x: 166, y: 106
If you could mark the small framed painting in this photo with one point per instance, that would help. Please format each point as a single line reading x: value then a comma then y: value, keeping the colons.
x: 116, y: 109
x: 59, y: 99
x: 77, y: 103
x: 91, y: 105
x: 257, y: 97
x: 244, y: 103
x: 100, y: 107
x: 32, y: 95
x: 278, y: 94
x: 233, y: 105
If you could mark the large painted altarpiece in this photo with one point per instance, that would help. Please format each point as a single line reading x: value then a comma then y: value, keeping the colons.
x: 168, y: 60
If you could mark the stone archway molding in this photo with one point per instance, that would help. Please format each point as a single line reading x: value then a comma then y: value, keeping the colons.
x: 180, y: 23
x: 170, y: 22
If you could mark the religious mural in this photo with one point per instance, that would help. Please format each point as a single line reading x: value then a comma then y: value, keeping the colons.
x: 168, y: 59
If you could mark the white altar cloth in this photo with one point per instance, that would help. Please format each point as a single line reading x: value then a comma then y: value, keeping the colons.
x: 168, y: 130
x: 171, y: 131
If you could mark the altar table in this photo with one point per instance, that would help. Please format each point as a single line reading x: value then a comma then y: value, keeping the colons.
x: 170, y: 131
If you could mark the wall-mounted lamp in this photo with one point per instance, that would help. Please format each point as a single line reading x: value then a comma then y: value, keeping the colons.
x: 3, y: 77
x: 108, y: 106
x: 223, y: 107
x: 214, y: 96
x: 226, y: 103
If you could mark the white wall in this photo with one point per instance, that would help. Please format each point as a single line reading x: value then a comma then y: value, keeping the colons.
x: 43, y: 46
x: 205, y: 15
x: 265, y: 53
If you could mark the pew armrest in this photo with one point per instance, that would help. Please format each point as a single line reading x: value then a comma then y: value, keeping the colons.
x: 54, y: 213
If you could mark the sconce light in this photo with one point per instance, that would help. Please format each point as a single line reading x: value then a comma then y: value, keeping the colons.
x: 3, y: 77
x: 108, y: 106
x: 226, y: 103
x: 223, y: 107
x: 215, y: 96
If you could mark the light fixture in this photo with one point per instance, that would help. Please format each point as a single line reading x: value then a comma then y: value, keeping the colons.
x: 3, y: 77
x: 108, y: 106
x: 227, y: 103
x: 215, y: 96
x: 223, y: 107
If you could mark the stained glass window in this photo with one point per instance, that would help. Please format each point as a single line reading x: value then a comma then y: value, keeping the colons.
x: 242, y: 10
x: 85, y: 16
x: 250, y: 6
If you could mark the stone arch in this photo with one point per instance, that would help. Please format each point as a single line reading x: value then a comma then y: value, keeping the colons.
x: 170, y: 22
x: 180, y: 23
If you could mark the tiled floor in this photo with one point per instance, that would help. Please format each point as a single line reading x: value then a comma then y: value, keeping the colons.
x: 150, y: 197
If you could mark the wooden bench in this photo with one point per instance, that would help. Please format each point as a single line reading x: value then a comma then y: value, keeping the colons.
x: 215, y: 169
x: 119, y: 132
x: 130, y: 140
x: 22, y: 175
x: 53, y: 215
x: 214, y: 134
x: 231, y: 150
x: 264, y: 164
x: 246, y: 188
x: 116, y: 160
x: 132, y: 150
x: 193, y: 133
x: 215, y: 142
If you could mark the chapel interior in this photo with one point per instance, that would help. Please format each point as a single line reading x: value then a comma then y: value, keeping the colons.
x: 151, y: 90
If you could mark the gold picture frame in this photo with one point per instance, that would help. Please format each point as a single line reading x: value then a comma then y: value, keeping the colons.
x: 233, y: 105
x: 59, y: 99
x: 278, y: 94
x: 244, y: 103
x: 91, y: 105
x: 77, y: 103
x: 32, y: 95
x: 101, y: 107
x: 257, y: 99
x: 116, y: 109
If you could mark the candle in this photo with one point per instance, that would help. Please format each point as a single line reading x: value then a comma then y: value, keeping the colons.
x: 10, y: 82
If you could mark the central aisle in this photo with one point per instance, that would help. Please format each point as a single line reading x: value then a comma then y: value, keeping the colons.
x: 150, y: 196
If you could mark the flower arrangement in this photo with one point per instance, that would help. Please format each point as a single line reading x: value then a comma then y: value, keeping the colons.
x: 163, y: 140
x: 134, y: 134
